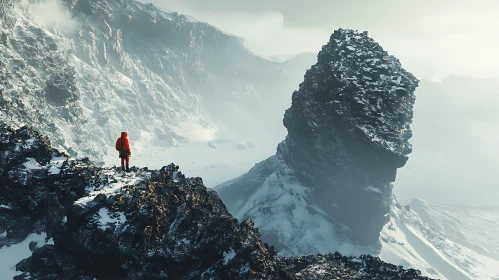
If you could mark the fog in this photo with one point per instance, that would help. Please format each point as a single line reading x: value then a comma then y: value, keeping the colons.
x: 53, y: 14
x: 456, y: 140
x: 432, y: 38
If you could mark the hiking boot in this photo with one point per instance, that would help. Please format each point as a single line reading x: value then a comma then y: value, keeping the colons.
x: 122, y: 168
x: 127, y: 169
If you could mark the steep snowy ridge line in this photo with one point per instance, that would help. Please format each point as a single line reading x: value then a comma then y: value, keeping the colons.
x: 428, y: 252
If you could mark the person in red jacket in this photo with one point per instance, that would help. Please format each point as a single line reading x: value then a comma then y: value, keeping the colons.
x: 123, y: 146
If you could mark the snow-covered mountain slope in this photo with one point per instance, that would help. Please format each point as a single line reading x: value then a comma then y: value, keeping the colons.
x: 456, y: 242
x: 271, y: 194
x: 101, y: 223
x: 108, y: 66
x: 442, y: 242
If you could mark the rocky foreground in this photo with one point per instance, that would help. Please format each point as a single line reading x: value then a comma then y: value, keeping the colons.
x: 147, y: 224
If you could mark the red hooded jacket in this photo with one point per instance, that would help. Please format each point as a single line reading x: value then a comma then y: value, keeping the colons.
x: 122, y: 142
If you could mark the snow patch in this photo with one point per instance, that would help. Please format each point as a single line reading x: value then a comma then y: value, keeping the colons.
x: 32, y: 164
x: 229, y: 256
x: 13, y: 254
x: 107, y: 219
x: 112, y: 188
x: 55, y: 165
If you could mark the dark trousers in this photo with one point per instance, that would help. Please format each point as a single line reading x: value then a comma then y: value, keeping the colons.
x: 125, y: 160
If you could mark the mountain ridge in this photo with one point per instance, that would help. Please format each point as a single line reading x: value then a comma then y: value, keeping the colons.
x: 130, y: 66
x: 103, y: 223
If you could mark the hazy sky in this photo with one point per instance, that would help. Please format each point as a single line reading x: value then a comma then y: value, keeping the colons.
x: 432, y: 38
x: 455, y: 159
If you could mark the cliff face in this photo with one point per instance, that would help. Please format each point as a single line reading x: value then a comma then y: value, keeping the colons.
x: 147, y: 224
x: 348, y: 131
x: 124, y: 65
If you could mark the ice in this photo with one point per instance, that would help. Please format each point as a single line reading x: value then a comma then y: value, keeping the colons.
x: 5, y: 206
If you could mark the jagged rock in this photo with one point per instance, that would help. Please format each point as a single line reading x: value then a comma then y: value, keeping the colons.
x: 147, y: 224
x: 336, y: 266
x: 348, y: 130
x: 31, y: 173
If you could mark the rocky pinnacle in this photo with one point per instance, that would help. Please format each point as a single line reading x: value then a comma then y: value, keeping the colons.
x: 348, y: 131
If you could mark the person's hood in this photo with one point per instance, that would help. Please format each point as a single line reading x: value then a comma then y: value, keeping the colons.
x: 124, y: 135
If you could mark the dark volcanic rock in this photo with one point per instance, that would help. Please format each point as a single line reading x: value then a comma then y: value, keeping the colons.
x: 157, y: 224
x: 348, y: 131
x: 31, y: 175
x: 336, y: 266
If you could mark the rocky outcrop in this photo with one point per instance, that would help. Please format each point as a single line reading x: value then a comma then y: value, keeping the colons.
x: 147, y: 224
x: 348, y: 131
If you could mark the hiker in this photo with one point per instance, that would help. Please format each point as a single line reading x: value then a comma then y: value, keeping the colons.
x: 123, y: 147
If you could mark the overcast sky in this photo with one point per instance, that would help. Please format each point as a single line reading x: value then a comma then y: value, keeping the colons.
x: 431, y: 37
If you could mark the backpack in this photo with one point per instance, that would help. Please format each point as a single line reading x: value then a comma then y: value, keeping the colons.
x: 118, y: 144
